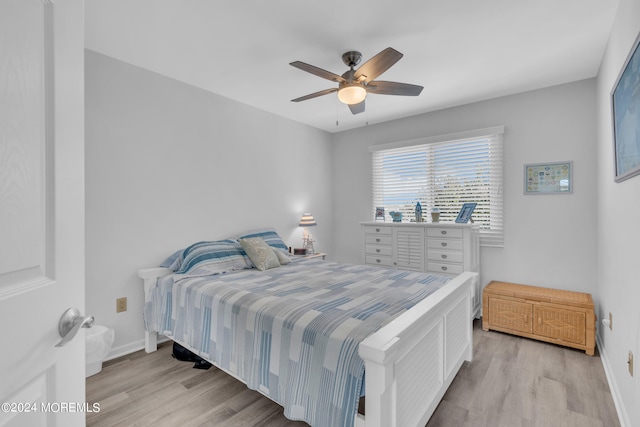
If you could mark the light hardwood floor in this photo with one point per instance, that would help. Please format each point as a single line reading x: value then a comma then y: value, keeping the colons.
x: 512, y: 382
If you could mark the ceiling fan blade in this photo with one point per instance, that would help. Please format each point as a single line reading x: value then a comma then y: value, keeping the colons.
x: 357, y: 108
x: 315, y: 95
x: 378, y: 64
x: 393, y: 88
x: 318, y: 71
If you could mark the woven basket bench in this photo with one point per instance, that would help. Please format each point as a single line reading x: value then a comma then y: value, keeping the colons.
x: 552, y: 315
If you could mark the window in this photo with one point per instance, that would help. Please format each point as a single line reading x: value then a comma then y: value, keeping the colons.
x: 444, y: 172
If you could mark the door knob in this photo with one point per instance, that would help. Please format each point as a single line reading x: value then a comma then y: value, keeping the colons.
x: 70, y: 323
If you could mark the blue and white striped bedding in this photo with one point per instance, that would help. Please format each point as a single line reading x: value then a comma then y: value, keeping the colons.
x: 290, y: 332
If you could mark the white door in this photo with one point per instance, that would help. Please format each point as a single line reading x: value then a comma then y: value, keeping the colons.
x: 41, y: 210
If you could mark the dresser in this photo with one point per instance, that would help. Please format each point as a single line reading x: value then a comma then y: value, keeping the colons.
x: 443, y: 248
x: 552, y: 315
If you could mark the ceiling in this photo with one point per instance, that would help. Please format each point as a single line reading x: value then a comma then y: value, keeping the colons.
x: 461, y: 51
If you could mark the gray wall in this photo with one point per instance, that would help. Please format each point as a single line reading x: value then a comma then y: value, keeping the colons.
x: 168, y: 164
x: 549, y: 239
x: 618, y: 280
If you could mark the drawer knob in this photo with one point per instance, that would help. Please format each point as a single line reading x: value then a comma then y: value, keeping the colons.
x: 444, y: 243
x: 378, y: 261
x: 443, y: 232
x: 377, y: 230
x: 443, y: 268
x: 378, y: 250
x: 377, y: 240
x: 444, y: 257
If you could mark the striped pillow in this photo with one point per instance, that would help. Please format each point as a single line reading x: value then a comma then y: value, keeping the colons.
x: 173, y: 261
x: 205, y: 258
x: 269, y: 235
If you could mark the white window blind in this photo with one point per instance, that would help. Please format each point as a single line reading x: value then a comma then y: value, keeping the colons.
x: 444, y: 172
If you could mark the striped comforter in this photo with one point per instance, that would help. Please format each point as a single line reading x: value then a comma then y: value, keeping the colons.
x: 290, y: 332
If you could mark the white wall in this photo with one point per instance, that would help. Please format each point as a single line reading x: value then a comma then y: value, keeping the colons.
x: 549, y: 239
x: 168, y: 164
x: 618, y: 284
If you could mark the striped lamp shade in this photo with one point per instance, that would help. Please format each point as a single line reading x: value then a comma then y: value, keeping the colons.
x: 307, y: 220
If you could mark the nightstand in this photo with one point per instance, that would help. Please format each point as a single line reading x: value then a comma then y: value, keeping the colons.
x: 316, y: 255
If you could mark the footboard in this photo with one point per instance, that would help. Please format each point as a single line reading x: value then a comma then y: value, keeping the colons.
x: 411, y: 362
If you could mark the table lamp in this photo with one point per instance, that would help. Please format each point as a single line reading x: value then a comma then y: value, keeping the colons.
x: 307, y: 220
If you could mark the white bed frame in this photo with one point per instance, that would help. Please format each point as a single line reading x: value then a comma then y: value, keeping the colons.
x: 410, y: 362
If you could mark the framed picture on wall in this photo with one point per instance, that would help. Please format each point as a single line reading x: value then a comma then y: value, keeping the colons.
x: 625, y: 103
x: 548, y: 178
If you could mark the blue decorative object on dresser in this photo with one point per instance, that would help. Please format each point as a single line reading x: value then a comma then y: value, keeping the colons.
x: 396, y: 216
x: 418, y: 212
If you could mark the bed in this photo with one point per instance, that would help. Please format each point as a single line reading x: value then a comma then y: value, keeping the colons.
x: 314, y: 335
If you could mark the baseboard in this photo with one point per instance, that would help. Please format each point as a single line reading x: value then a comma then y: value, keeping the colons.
x: 613, y: 386
x: 123, y: 350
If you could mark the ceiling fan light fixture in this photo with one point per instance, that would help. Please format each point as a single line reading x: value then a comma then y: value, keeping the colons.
x: 352, y: 94
x: 354, y: 84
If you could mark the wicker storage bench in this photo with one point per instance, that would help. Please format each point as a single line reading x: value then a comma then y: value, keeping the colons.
x: 556, y: 316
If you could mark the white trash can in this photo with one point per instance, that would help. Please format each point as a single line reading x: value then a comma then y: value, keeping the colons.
x: 99, y: 340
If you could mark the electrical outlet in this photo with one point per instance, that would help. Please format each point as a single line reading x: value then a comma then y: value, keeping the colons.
x: 121, y: 305
x: 610, y: 321
x: 630, y: 362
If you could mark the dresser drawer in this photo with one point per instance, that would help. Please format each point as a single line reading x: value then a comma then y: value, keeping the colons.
x: 444, y: 232
x: 371, y: 239
x: 441, y: 267
x: 451, y: 244
x: 382, y: 261
x: 443, y: 255
x: 379, y: 250
x: 371, y: 229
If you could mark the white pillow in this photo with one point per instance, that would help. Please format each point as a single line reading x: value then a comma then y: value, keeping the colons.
x: 260, y: 253
x: 282, y: 257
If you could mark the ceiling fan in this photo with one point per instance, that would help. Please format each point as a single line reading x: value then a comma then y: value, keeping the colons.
x: 354, y: 85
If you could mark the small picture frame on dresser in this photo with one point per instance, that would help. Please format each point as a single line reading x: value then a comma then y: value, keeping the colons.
x: 380, y: 214
x: 465, y: 213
